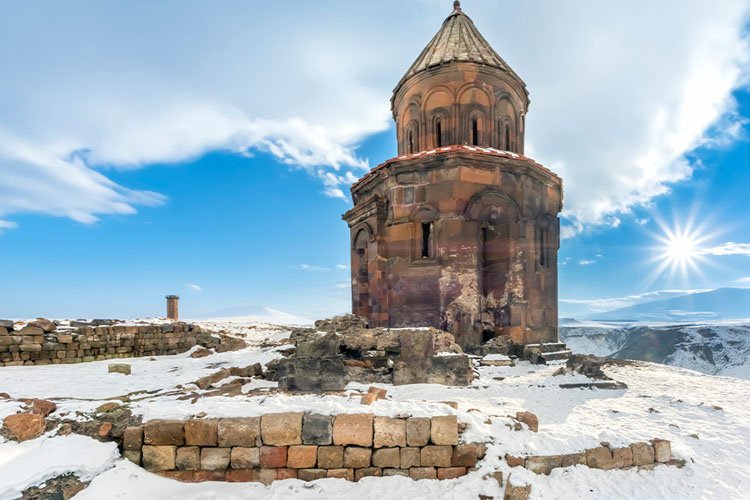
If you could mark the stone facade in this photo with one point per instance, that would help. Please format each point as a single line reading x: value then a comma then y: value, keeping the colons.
x: 302, y: 446
x: 43, y: 343
x: 461, y: 231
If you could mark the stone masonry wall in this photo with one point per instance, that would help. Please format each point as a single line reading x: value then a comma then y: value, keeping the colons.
x: 42, y: 342
x: 303, y: 446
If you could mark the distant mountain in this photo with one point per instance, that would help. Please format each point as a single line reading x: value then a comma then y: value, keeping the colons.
x: 259, y: 314
x: 722, y: 303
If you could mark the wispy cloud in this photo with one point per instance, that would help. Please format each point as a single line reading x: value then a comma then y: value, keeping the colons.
x: 194, y: 287
x: 609, y: 304
x: 729, y: 248
x: 342, y: 266
x: 586, y: 262
x: 745, y: 279
x: 310, y: 267
x: 642, y: 222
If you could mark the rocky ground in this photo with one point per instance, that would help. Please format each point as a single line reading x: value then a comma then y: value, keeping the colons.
x: 706, y: 418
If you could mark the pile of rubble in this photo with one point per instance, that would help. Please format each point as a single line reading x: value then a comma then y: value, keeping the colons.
x: 341, y: 350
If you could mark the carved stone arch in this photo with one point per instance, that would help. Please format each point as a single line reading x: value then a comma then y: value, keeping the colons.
x: 474, y: 125
x: 425, y: 242
x: 507, y: 130
x: 411, y: 138
x: 425, y: 102
x: 440, y: 129
x: 483, y: 202
x: 424, y: 213
x: 473, y: 87
x: 362, y: 232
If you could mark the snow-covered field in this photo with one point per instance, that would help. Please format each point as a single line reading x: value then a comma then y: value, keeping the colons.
x: 707, y: 418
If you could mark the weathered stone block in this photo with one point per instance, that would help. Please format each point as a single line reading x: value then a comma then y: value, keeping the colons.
x: 243, y: 432
x: 285, y: 473
x: 201, y: 432
x: 245, y: 458
x: 418, y: 473
x: 201, y: 476
x: 387, y: 457
x: 417, y: 344
x: 517, y: 492
x: 353, y: 429
x: 330, y: 457
x: 357, y: 458
x: 347, y: 474
x: 417, y: 431
x: 389, y: 432
x: 281, y: 429
x: 643, y: 453
x: 571, y: 459
x: 188, y: 458
x: 164, y: 432
x: 272, y: 457
x: 266, y: 476
x: 529, y: 419
x: 543, y: 464
x: 514, y: 461
x: 662, y: 450
x: 450, y: 472
x: 367, y: 472
x: 158, y: 458
x: 410, y: 457
x: 302, y: 457
x: 436, y: 456
x: 467, y: 455
x: 444, y: 430
x: 317, y: 429
x: 450, y: 370
x: 240, y: 476
x: 311, y: 474
x: 411, y: 370
x: 396, y: 472
x: 122, y: 368
x: 622, y: 458
x: 596, y: 458
x: 24, y: 426
x: 132, y: 455
x: 215, y: 458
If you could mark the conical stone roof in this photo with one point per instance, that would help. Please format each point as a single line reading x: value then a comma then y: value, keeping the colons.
x: 458, y: 41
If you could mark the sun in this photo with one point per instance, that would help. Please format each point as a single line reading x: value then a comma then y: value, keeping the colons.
x: 682, y: 249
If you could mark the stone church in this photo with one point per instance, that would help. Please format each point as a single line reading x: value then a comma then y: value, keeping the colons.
x: 461, y: 230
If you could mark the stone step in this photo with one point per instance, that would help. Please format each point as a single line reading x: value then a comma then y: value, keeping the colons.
x: 556, y: 356
x: 548, y: 347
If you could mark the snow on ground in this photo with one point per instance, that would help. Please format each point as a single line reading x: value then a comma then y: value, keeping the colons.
x: 707, y: 418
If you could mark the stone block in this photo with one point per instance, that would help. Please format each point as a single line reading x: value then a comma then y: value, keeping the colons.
x: 132, y: 455
x: 159, y: 458
x: 418, y: 473
x: 330, y: 457
x: 367, y: 472
x: 42, y: 407
x: 389, y: 432
x: 357, y: 458
x: 302, y: 457
x: 643, y: 453
x: 529, y: 419
x: 284, y: 473
x: 311, y: 474
x: 281, y: 429
x: 266, y: 476
x: 450, y: 370
x: 122, y: 368
x: 571, y: 459
x: 188, y: 458
x: 164, y: 432
x: 514, y: 461
x: 444, y: 430
x: 622, y: 458
x: 543, y: 464
x: 417, y: 344
x: 272, y: 457
x: 317, y: 429
x: 240, y: 476
x: 387, y: 457
x: 24, y: 426
x: 353, y: 429
x: 185, y: 476
x: 215, y: 458
x: 243, y: 432
x: 245, y: 458
x: 597, y: 458
x: 202, y: 476
x: 436, y: 456
x: 662, y: 450
x: 201, y: 432
x: 396, y: 472
x: 411, y: 370
x: 467, y: 455
x: 410, y: 457
x: 417, y: 431
x: 517, y: 492
x: 450, y: 472
x: 347, y: 474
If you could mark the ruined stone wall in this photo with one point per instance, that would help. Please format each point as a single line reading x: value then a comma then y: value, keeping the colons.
x: 302, y: 446
x: 43, y: 343
x: 460, y: 193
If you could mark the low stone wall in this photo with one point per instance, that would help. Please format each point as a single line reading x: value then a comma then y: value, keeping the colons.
x: 43, y: 342
x: 641, y: 455
x: 303, y: 446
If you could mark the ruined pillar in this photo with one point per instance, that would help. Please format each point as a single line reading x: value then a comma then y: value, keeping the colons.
x: 172, y: 307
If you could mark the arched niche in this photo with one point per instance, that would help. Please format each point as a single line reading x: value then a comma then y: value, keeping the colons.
x: 425, y: 239
x: 507, y: 135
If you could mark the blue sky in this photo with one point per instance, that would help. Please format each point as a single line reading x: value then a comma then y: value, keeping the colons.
x: 206, y: 150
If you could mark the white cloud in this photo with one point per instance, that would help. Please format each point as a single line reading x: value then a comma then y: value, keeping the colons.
x: 745, y: 279
x: 586, y: 262
x: 310, y: 267
x: 642, y: 222
x: 194, y: 287
x: 342, y: 266
x: 610, y: 304
x: 728, y: 248
x: 615, y: 105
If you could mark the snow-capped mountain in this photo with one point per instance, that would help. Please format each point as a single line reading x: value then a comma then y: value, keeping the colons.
x: 717, y: 348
